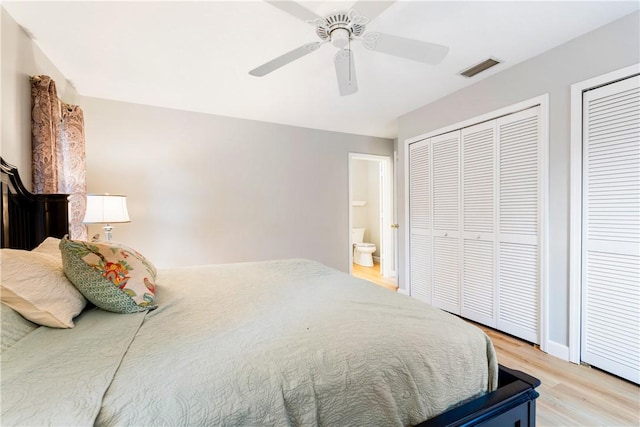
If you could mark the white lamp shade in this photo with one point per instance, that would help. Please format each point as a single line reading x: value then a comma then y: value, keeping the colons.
x: 106, y: 208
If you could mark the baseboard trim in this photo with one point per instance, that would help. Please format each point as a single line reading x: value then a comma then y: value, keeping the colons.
x: 403, y: 291
x: 560, y: 351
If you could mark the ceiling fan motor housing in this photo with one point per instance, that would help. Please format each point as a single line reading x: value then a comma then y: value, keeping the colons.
x: 339, y: 28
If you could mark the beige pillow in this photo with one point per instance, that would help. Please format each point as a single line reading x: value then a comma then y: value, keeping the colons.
x: 34, y: 285
x: 50, y: 246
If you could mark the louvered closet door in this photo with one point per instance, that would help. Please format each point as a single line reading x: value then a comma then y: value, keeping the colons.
x: 519, y: 224
x: 445, y: 151
x: 478, y: 237
x: 611, y: 228
x: 420, y: 220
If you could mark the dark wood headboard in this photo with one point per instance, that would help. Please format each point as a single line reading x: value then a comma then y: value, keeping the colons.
x: 27, y: 218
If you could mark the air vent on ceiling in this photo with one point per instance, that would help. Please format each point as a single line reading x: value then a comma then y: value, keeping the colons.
x: 478, y: 68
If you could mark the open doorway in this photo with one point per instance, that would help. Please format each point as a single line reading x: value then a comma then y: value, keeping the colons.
x: 371, y: 236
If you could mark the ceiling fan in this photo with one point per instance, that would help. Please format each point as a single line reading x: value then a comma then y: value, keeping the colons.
x: 340, y: 28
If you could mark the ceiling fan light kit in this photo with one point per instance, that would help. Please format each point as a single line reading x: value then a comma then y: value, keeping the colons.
x: 340, y: 29
x: 340, y: 38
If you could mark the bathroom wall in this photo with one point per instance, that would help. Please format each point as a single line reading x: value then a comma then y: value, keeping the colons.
x: 373, y: 203
x: 366, y: 186
x: 360, y: 191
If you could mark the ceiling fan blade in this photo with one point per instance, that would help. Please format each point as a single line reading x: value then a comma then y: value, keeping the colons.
x: 346, y: 72
x: 283, y: 60
x: 294, y: 8
x: 371, y: 9
x: 417, y: 50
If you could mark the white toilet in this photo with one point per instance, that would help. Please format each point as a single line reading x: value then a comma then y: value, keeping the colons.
x: 362, y: 252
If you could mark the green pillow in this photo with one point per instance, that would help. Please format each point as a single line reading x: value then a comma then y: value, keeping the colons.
x: 112, y: 276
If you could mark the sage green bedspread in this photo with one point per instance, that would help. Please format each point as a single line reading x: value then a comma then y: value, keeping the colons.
x: 273, y: 343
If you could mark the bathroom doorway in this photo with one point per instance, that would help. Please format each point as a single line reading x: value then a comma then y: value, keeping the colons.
x: 371, y: 209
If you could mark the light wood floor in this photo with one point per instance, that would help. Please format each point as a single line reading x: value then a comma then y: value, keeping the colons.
x: 372, y: 274
x: 570, y: 394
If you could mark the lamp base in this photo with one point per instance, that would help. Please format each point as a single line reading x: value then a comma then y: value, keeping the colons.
x: 107, y: 232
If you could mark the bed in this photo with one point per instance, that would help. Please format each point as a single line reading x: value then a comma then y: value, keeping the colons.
x: 283, y: 342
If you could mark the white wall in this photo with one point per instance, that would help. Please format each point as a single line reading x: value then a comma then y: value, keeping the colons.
x: 22, y: 58
x: 212, y: 189
x: 608, y: 48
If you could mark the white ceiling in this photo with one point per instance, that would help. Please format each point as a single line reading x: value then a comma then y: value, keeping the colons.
x: 196, y: 55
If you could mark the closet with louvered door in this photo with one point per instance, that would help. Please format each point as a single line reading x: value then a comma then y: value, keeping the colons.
x: 478, y: 236
x: 611, y: 228
x: 519, y: 201
x: 445, y: 151
x: 475, y: 222
x: 420, y: 220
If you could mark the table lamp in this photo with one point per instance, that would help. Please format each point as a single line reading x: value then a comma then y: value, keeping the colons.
x: 106, y: 209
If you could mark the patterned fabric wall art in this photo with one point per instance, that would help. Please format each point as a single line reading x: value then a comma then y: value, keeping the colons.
x: 59, y: 160
x: 45, y: 132
x: 74, y: 168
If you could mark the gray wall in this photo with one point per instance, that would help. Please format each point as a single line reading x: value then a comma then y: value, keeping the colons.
x: 212, y: 189
x: 606, y: 49
x: 22, y: 58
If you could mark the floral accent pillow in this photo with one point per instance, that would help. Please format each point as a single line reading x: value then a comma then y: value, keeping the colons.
x: 112, y: 276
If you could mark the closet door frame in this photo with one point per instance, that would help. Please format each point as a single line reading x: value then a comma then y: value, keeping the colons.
x: 543, y: 102
x: 575, y: 203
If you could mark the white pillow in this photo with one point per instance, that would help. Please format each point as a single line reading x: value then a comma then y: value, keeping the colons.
x: 34, y: 285
x: 50, y: 246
